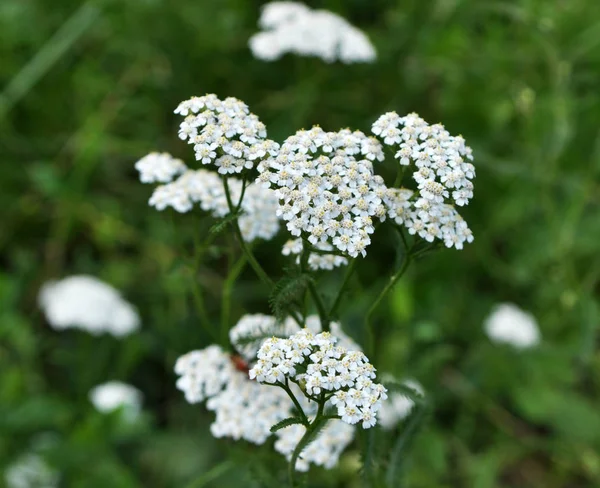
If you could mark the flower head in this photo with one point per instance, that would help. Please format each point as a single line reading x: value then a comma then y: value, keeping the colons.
x: 327, y: 190
x: 292, y: 27
x: 113, y: 395
x: 31, y: 471
x: 323, y: 368
x: 442, y: 172
x: 159, y: 167
x: 224, y: 133
x: 508, y: 324
x: 398, y: 405
x: 86, y: 303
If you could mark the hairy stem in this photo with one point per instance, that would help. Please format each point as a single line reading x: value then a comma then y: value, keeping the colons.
x: 236, y: 228
x: 390, y: 285
x: 232, y: 277
x: 345, y: 283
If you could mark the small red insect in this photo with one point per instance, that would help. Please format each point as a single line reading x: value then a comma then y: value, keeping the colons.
x: 240, y: 364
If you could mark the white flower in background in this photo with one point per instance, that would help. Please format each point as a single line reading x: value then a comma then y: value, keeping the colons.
x: 292, y: 27
x: 324, y: 451
x: 84, y: 302
x: 259, y: 206
x: 159, y: 168
x: 246, y: 409
x: 327, y: 190
x: 224, y: 133
x: 508, y: 324
x: 30, y: 471
x: 316, y: 261
x: 252, y: 329
x: 329, y: 369
x: 113, y: 395
x: 398, y: 405
x: 443, y: 174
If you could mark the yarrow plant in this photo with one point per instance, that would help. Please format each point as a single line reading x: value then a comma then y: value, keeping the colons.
x: 295, y: 375
x: 292, y: 27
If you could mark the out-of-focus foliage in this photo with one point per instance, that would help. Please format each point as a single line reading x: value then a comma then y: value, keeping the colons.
x: 88, y: 87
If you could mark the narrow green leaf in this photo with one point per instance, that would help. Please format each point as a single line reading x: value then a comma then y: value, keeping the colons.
x: 286, y: 423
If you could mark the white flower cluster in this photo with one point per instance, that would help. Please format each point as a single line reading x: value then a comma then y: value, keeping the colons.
x: 252, y: 329
x: 508, y: 324
x: 30, y: 471
x: 316, y: 261
x: 246, y: 409
x: 344, y: 377
x: 84, y: 302
x: 324, y: 451
x: 259, y: 205
x: 292, y: 27
x: 243, y: 409
x: 443, y: 175
x: 327, y: 189
x: 159, y: 168
x: 398, y: 405
x: 224, y: 133
x: 113, y: 395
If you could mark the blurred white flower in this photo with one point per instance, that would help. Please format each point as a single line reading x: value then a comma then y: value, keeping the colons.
x: 508, y: 324
x: 324, y: 451
x: 30, y: 471
x: 259, y: 206
x: 315, y: 260
x: 246, y: 409
x: 292, y: 27
x: 84, y: 302
x: 398, y: 405
x: 159, y: 167
x: 113, y: 395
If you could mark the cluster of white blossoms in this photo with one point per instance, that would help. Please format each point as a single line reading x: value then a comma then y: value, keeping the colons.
x: 84, y: 302
x: 324, y: 451
x: 398, y: 405
x: 159, y: 168
x: 113, y: 395
x: 316, y: 261
x: 259, y: 205
x: 327, y: 190
x: 508, y: 324
x: 246, y: 409
x: 443, y: 174
x: 324, y: 370
x: 292, y: 27
x: 31, y: 471
x: 224, y: 133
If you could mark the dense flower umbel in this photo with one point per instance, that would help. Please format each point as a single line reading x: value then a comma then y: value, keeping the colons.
x: 508, y: 324
x: 115, y: 394
x: 224, y: 133
x: 259, y: 206
x: 246, y: 409
x: 326, y: 186
x: 292, y: 27
x: 443, y: 174
x: 323, y: 370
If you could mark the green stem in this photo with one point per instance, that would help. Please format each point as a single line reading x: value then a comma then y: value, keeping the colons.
x: 236, y: 228
x: 311, y: 430
x: 391, y: 283
x: 399, y: 177
x: 345, y: 283
x: 201, y: 308
x: 290, y: 393
x: 323, y: 315
x: 232, y: 277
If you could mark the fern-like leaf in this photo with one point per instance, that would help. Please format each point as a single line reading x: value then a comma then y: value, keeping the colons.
x: 287, y: 293
x: 286, y: 423
x: 222, y: 224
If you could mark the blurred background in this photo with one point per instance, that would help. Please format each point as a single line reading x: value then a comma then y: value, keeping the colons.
x: 88, y: 87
